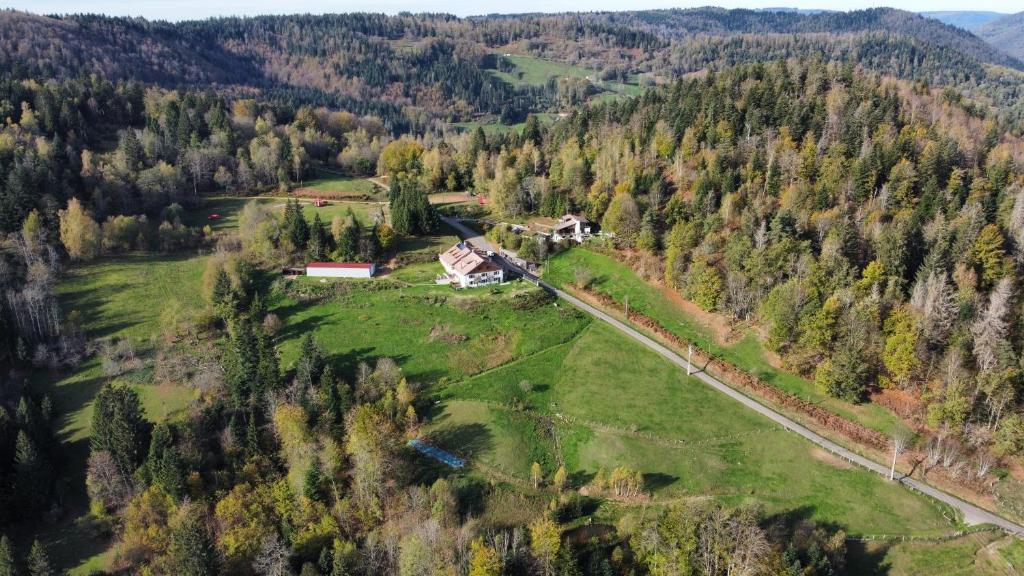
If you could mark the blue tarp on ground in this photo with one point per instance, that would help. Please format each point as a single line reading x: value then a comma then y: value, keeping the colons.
x: 437, y: 454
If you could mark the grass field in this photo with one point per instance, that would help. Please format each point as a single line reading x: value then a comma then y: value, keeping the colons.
x: 980, y: 554
x: 492, y: 125
x: 618, y: 403
x: 533, y: 71
x: 118, y: 298
x: 623, y: 405
x: 331, y: 184
x: 432, y: 332
x: 230, y: 207
x: 619, y: 282
x: 126, y: 296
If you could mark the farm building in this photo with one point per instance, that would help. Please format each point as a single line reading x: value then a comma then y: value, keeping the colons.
x: 467, y: 268
x: 340, y: 269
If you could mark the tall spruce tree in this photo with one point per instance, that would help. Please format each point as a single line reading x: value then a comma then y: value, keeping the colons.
x: 38, y: 561
x: 119, y: 426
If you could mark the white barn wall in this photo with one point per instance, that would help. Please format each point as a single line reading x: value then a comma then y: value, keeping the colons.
x: 318, y: 272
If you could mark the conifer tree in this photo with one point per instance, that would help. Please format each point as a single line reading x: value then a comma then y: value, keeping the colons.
x: 39, y: 561
x: 7, y: 567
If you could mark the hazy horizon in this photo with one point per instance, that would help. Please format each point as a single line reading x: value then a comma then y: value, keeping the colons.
x: 197, y: 9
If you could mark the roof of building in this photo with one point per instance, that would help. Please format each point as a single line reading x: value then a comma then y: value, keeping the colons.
x: 464, y: 260
x: 359, y: 265
x: 570, y: 221
x: 574, y: 217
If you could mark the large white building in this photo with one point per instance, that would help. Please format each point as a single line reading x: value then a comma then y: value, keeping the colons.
x: 340, y: 269
x: 468, y: 268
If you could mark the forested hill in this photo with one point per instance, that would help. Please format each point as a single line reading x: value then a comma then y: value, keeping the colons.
x: 1007, y: 33
x: 718, y: 21
x: 412, y: 69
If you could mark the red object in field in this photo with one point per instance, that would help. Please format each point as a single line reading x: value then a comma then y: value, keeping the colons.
x: 481, y: 200
x: 319, y: 202
x: 214, y: 216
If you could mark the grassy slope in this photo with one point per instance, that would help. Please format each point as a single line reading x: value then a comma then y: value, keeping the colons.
x: 619, y: 282
x: 398, y: 324
x: 492, y: 126
x: 533, y: 71
x: 339, y: 185
x: 121, y: 298
x: 638, y: 410
x: 570, y: 372
x: 229, y: 209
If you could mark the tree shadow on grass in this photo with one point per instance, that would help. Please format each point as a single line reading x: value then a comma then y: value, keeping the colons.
x: 655, y: 481
x: 301, y: 328
x: 861, y: 557
x: 867, y: 560
x: 466, y: 440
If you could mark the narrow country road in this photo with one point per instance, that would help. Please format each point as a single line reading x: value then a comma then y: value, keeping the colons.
x: 971, y: 514
x: 469, y: 235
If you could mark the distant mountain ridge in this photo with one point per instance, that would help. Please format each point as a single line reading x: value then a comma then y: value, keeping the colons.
x: 414, y: 68
x: 969, y: 20
x: 1005, y: 33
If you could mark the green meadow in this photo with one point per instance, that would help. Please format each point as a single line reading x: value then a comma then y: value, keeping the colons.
x: 229, y: 208
x: 510, y: 378
x: 620, y: 283
x: 617, y: 403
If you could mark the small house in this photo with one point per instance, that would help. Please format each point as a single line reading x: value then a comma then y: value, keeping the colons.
x: 468, y: 268
x: 572, y: 227
x: 340, y: 269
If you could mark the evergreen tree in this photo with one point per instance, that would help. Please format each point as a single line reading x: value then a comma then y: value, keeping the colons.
x: 348, y: 244
x: 312, y: 481
x: 32, y: 473
x: 295, y: 226
x: 7, y: 565
x: 192, y: 550
x: 119, y: 426
x: 39, y: 561
x: 319, y: 240
x: 163, y: 467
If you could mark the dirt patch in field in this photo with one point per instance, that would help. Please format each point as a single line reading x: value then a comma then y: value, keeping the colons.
x: 483, y: 353
x: 831, y: 459
x: 333, y: 194
x: 444, y: 333
x: 449, y: 198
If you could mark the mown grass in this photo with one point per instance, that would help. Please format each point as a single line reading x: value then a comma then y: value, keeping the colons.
x: 641, y: 411
x: 533, y: 71
x: 492, y: 126
x: 619, y: 282
x: 980, y: 554
x: 334, y: 184
x: 530, y: 70
x: 229, y: 208
x: 471, y: 329
x: 483, y: 346
x: 126, y: 296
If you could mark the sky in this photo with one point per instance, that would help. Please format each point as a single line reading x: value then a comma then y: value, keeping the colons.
x: 196, y: 9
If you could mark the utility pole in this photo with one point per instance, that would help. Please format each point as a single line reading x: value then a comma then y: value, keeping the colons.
x: 627, y: 307
x: 689, y: 359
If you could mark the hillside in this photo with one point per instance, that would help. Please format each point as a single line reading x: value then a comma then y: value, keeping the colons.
x: 793, y: 291
x: 1006, y: 34
x: 413, y: 70
x: 969, y: 20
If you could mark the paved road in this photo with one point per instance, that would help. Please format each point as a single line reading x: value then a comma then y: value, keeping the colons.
x: 471, y: 236
x: 972, y: 514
